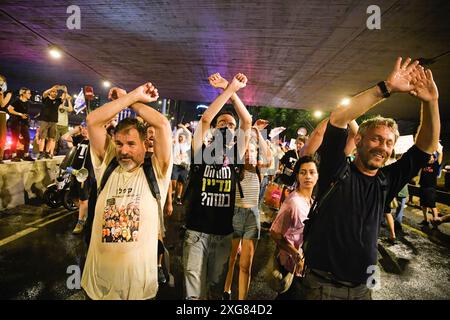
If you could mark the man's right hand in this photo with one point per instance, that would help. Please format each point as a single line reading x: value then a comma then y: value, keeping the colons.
x: 24, y: 116
x: 400, y: 79
x: 146, y: 93
x: 239, y: 82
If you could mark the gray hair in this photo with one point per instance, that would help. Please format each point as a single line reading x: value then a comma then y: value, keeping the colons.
x: 379, y: 121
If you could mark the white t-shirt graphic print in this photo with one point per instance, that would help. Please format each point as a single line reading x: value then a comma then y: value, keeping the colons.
x: 122, y: 257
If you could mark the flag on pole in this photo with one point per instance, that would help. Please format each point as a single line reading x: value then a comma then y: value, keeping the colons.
x: 80, y: 103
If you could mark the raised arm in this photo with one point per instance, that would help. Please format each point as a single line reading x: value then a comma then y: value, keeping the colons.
x: 426, y: 90
x: 68, y: 135
x: 65, y: 94
x: 245, y: 119
x: 162, y: 145
x: 400, y: 80
x: 188, y: 133
x: 4, y: 99
x: 212, y: 111
x: 264, y: 149
x: 46, y: 92
x: 352, y: 131
x: 97, y: 119
x: 315, y: 139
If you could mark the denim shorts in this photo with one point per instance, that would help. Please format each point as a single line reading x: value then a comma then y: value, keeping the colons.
x: 246, y: 223
x: 205, y: 264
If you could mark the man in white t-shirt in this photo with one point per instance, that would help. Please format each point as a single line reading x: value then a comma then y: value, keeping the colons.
x: 123, y: 264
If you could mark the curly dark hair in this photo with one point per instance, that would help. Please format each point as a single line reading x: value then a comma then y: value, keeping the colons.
x: 128, y: 123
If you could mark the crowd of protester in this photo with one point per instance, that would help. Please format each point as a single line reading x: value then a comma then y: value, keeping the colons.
x: 329, y: 193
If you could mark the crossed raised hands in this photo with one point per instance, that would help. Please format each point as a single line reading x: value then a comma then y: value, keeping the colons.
x: 144, y: 93
x: 239, y: 81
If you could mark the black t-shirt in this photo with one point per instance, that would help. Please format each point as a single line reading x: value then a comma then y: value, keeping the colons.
x: 82, y: 152
x: 343, y: 239
x: 428, y: 175
x: 21, y: 107
x: 210, y: 197
x: 49, y: 110
x: 288, y: 161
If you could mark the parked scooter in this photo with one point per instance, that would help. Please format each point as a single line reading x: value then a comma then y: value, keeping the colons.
x: 58, y: 193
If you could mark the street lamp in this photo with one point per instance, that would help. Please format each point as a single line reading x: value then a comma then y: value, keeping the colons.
x: 318, y: 114
x: 106, y: 84
x: 54, y: 51
x: 345, y: 101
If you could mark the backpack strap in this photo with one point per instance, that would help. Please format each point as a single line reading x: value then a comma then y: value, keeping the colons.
x: 238, y: 169
x: 154, y: 189
x: 383, y: 183
x: 109, y: 170
x: 341, y: 175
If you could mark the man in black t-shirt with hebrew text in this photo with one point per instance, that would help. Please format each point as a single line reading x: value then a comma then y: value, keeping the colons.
x: 341, y: 245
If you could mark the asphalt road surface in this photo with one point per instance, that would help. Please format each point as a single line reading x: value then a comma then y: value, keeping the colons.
x: 39, y: 254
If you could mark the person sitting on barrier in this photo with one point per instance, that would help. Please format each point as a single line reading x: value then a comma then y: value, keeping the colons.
x: 127, y: 269
x: 352, y: 195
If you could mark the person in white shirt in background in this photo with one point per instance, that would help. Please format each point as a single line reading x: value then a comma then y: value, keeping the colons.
x: 181, y: 159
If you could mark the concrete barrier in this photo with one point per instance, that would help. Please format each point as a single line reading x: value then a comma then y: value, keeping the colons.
x: 21, y: 181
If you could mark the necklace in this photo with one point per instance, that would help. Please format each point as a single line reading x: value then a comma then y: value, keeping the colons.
x: 125, y: 181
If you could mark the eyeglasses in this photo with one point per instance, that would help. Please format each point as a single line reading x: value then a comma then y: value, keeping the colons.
x: 223, y: 123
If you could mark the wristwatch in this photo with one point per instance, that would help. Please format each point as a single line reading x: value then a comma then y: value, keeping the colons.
x: 384, y: 90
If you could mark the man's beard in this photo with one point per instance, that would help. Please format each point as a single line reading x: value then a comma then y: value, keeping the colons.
x: 128, y: 165
x: 371, y: 165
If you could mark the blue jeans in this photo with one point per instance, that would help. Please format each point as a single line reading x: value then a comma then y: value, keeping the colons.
x: 246, y: 223
x: 205, y: 264
x: 400, y: 209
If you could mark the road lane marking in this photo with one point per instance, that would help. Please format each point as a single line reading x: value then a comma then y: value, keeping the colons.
x: 17, y: 235
x: 56, y: 219
x: 29, y: 230
x: 46, y: 217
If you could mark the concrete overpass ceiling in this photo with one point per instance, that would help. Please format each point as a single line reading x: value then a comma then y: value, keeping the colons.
x: 297, y: 54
